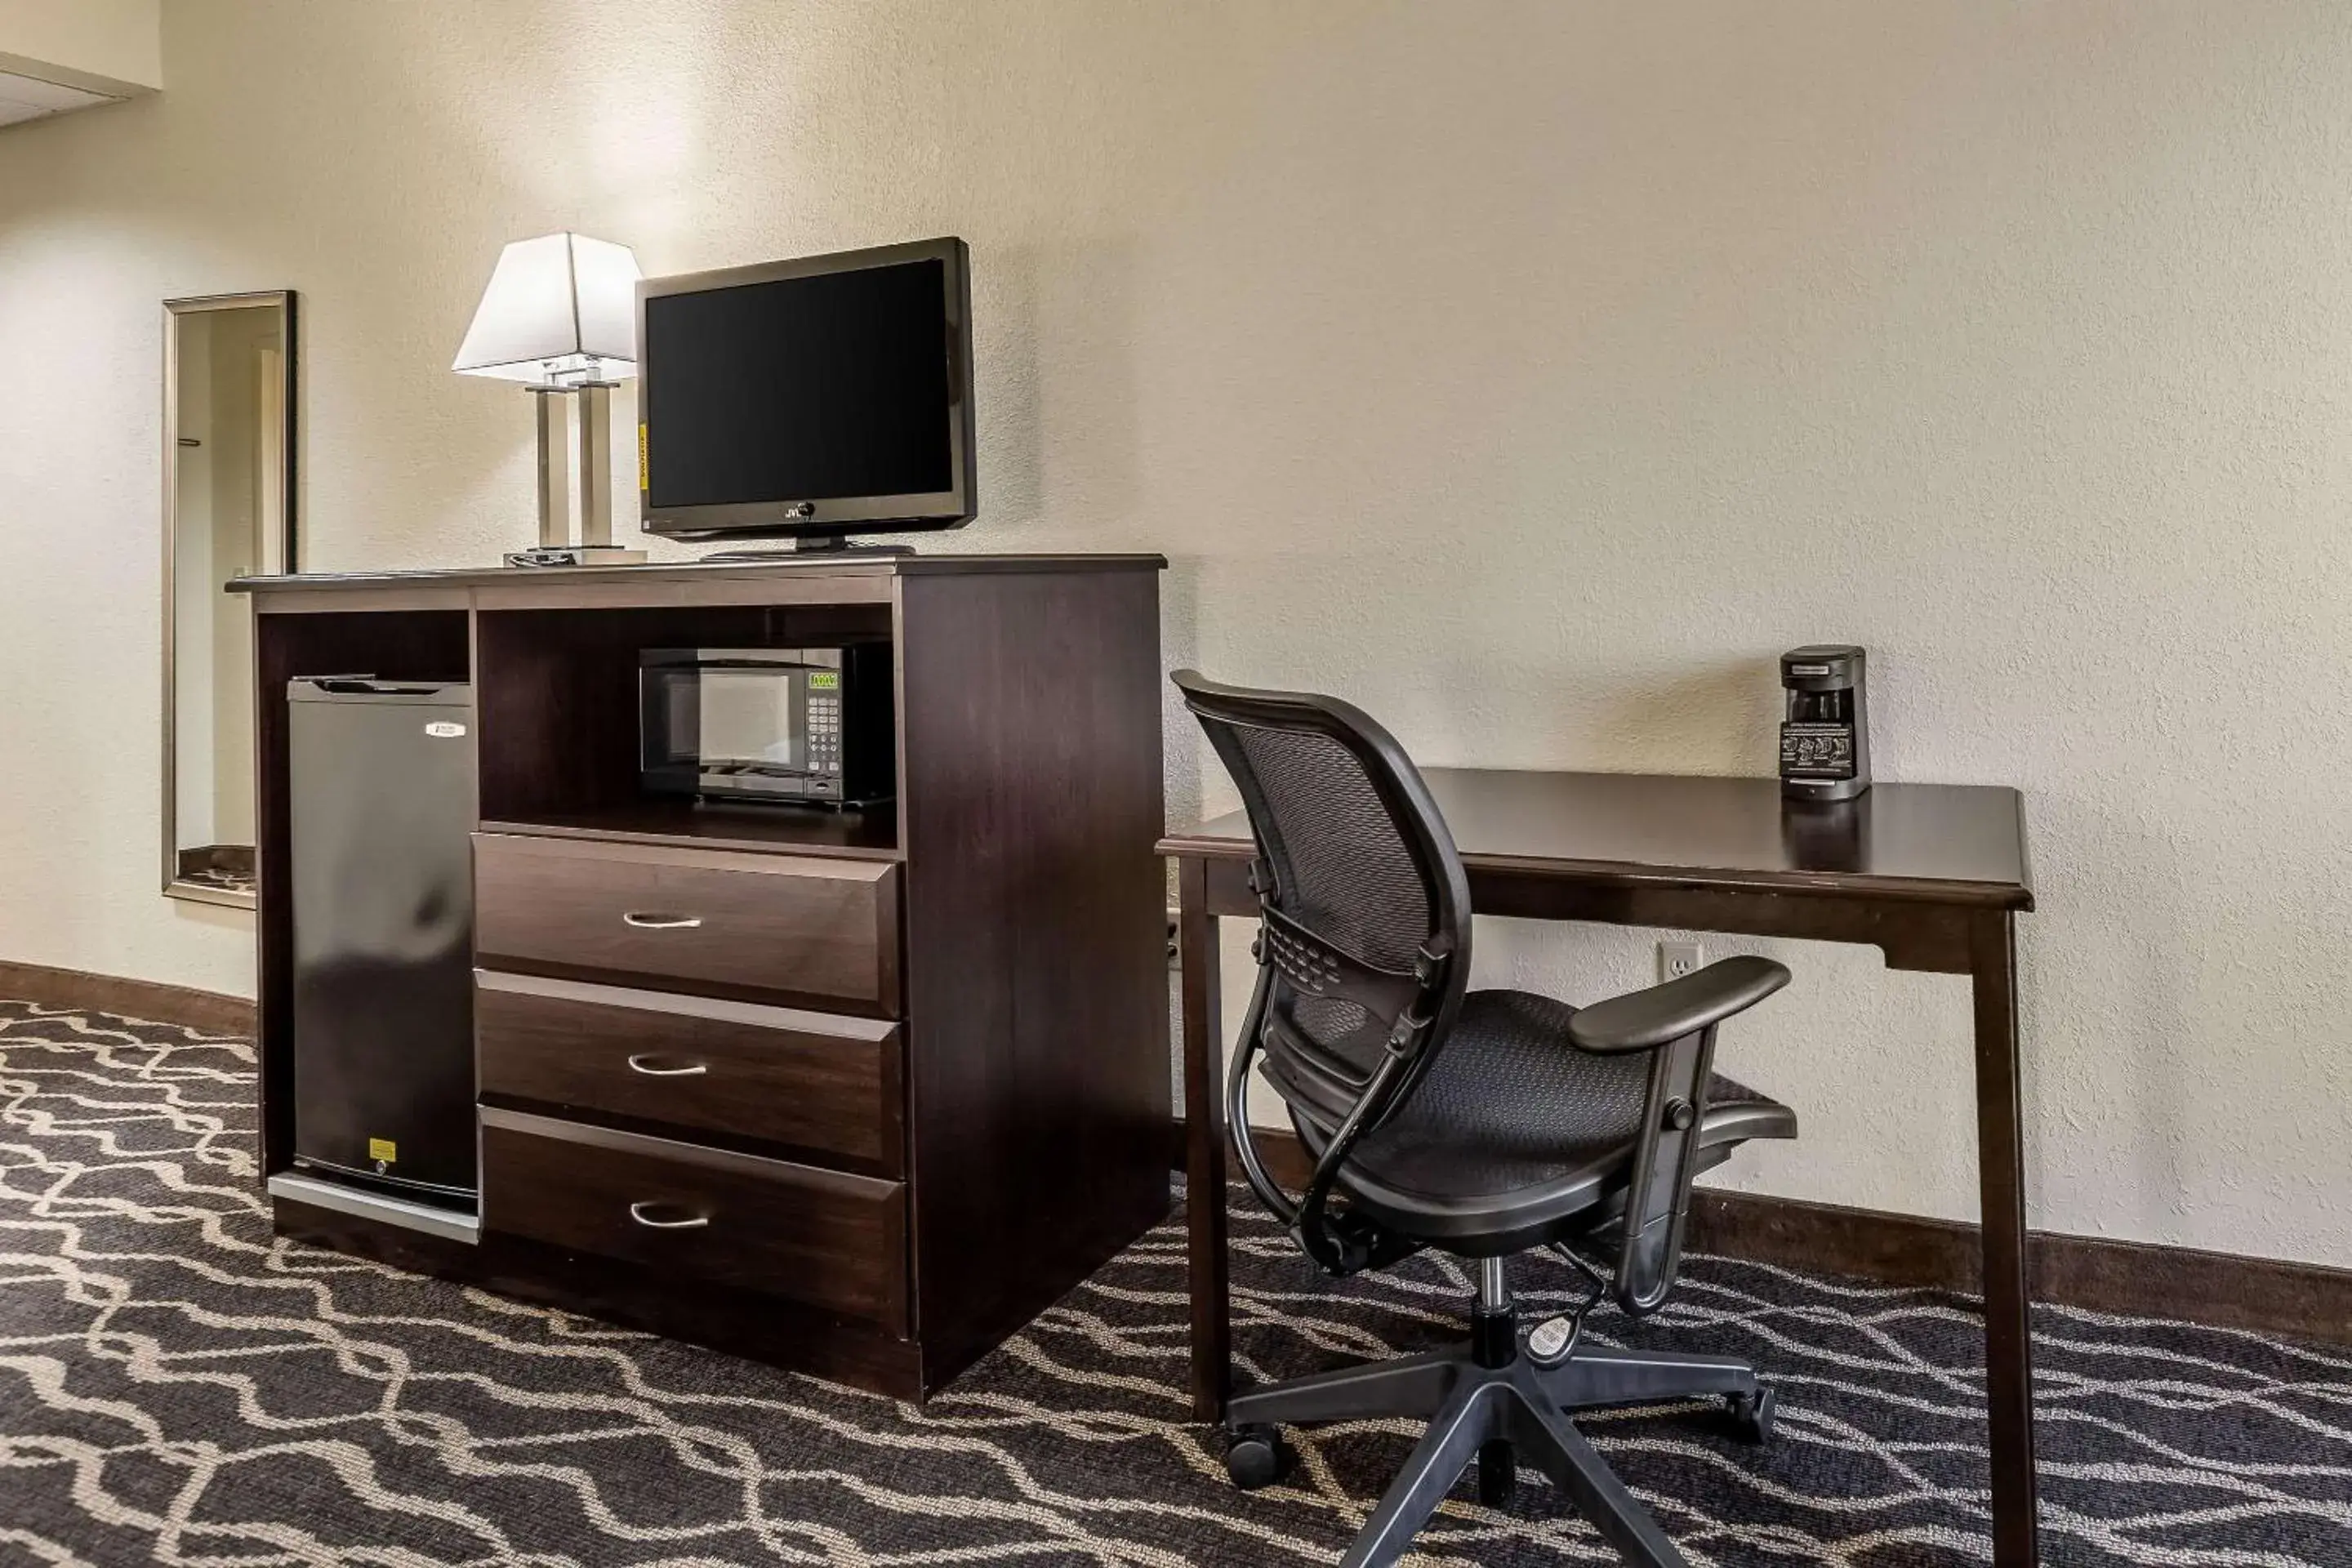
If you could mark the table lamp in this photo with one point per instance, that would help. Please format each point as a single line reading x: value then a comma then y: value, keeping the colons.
x: 560, y: 316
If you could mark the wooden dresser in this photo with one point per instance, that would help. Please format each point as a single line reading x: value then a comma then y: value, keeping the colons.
x: 855, y: 1093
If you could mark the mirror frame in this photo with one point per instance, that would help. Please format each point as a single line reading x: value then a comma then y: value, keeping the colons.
x: 277, y: 555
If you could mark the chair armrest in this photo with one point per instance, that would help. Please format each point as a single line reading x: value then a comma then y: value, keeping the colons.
x: 1674, y: 1023
x: 1644, y: 1020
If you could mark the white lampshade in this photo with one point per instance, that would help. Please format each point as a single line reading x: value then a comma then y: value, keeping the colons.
x: 559, y: 308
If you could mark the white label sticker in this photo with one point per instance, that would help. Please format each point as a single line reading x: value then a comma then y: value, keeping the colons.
x: 442, y: 730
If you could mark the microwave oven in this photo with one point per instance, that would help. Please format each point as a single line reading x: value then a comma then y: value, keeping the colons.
x: 785, y: 726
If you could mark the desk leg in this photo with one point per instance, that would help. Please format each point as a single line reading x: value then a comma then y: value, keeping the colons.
x: 2001, y: 1175
x: 1205, y: 1136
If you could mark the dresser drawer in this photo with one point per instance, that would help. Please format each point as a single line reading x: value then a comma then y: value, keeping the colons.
x: 818, y: 1081
x: 791, y: 928
x: 834, y: 1241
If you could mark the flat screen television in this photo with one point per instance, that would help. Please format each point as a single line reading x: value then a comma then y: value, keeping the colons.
x: 812, y: 399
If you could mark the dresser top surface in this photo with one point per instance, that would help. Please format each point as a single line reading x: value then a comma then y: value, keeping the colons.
x: 686, y: 571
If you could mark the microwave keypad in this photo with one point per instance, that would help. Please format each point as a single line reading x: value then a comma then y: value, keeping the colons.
x: 825, y: 733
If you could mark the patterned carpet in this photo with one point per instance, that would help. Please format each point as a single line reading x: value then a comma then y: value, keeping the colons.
x: 177, y: 1387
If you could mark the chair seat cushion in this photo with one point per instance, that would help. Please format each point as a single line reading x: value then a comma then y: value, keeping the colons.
x: 1514, y: 1129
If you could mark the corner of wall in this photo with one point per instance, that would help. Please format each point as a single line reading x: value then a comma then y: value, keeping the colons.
x: 114, y: 47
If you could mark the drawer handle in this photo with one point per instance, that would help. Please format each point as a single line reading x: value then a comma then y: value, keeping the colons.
x: 642, y: 1062
x: 647, y: 920
x: 692, y: 1222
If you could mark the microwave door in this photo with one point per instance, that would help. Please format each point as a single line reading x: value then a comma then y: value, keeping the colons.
x: 753, y: 723
x: 669, y: 738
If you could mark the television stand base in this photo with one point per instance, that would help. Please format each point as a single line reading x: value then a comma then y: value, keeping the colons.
x: 813, y: 545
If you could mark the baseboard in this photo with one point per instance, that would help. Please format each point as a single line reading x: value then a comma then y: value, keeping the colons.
x: 208, y: 1011
x: 2221, y: 1289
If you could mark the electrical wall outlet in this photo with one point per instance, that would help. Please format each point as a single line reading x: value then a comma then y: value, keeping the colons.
x: 1677, y: 959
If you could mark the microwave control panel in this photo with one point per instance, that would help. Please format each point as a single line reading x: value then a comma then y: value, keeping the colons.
x: 824, y: 731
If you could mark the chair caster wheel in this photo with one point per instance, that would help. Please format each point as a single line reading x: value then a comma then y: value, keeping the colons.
x: 1256, y: 1456
x: 1751, y: 1416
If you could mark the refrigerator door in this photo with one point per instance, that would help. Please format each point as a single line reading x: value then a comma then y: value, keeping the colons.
x: 381, y: 779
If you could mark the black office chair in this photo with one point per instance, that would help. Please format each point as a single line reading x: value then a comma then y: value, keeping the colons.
x: 1482, y: 1124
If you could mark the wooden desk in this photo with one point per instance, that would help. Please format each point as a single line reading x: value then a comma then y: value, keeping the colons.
x: 1934, y: 875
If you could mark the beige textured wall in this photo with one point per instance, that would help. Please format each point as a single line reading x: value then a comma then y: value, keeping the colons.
x: 1529, y: 373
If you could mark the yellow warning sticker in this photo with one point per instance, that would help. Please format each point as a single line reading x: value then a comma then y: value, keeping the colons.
x: 383, y: 1149
x: 645, y: 480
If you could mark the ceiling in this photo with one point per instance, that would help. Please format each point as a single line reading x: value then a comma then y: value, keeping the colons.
x: 29, y: 98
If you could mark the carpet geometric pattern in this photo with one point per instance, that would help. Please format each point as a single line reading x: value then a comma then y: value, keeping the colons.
x: 178, y: 1386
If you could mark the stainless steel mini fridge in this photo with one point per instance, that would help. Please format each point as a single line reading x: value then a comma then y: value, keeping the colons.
x: 381, y: 806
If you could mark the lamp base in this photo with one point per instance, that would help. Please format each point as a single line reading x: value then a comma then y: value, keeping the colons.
x: 575, y: 555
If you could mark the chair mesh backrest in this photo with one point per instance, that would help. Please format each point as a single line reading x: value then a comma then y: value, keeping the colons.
x: 1341, y: 865
x: 1360, y: 858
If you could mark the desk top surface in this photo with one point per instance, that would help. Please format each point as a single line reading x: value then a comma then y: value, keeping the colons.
x: 1949, y: 843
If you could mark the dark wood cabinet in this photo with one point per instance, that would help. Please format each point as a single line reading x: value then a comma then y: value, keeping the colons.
x: 882, y: 1086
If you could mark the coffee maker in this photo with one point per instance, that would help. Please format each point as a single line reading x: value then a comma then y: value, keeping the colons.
x: 1825, y: 730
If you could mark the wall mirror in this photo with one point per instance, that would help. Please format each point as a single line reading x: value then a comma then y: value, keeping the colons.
x: 228, y: 511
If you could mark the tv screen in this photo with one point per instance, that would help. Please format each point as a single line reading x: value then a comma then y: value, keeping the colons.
x: 816, y: 396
